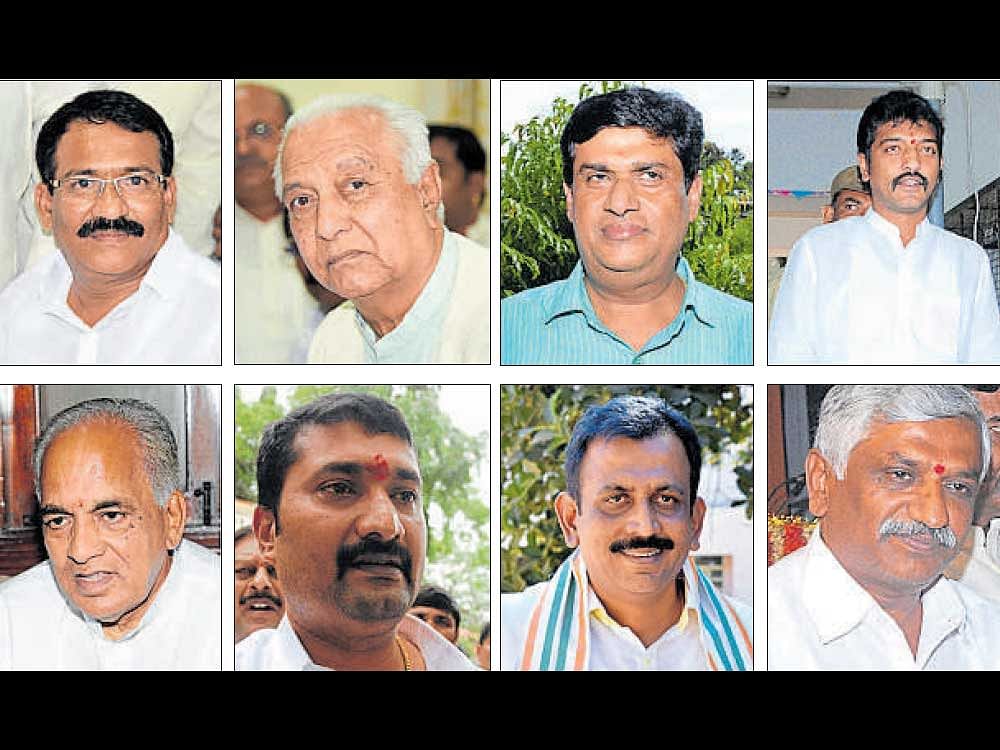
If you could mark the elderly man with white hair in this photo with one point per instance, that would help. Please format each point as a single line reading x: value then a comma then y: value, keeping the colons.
x: 120, y: 589
x: 894, y: 477
x: 364, y: 202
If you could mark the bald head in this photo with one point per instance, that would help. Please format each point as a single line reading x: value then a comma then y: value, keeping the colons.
x: 260, y: 114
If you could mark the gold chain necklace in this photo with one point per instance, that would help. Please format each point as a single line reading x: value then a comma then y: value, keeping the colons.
x: 407, y: 664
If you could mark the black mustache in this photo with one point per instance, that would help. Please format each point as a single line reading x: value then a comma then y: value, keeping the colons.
x: 348, y: 555
x: 642, y: 542
x: 903, y: 176
x: 260, y: 595
x: 103, y: 224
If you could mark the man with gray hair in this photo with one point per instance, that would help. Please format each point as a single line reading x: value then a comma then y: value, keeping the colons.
x: 894, y: 477
x: 121, y: 589
x: 364, y: 202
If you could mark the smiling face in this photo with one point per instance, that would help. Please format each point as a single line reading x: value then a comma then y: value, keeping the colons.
x: 259, y: 603
x: 352, y: 539
x: 900, y: 474
x: 360, y: 227
x: 106, y: 151
x: 633, y: 521
x: 106, y: 537
x: 629, y: 207
x: 904, y: 169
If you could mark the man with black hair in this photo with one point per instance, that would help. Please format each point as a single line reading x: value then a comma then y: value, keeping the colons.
x: 483, y: 647
x: 341, y: 513
x: 124, y: 288
x: 632, y: 180
x: 274, y: 309
x: 977, y: 565
x: 258, y: 592
x: 462, y: 163
x: 888, y: 287
x: 435, y: 606
x: 629, y: 597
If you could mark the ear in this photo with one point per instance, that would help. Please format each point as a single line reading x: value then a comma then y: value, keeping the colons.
x: 175, y: 513
x: 265, y: 529
x: 429, y: 190
x: 863, y: 168
x: 43, y: 206
x: 170, y: 199
x: 694, y: 198
x: 827, y: 214
x: 820, y: 477
x: 568, y: 192
x: 477, y: 181
x: 567, y: 512
x: 697, y: 522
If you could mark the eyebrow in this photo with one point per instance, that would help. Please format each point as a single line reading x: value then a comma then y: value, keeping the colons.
x: 356, y: 469
x: 618, y: 487
x: 48, y: 510
x: 636, y: 166
x: 912, y: 464
x: 893, y: 138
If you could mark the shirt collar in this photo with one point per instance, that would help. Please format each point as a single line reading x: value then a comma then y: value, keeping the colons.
x: 837, y: 604
x: 689, y: 612
x: 883, y: 226
x: 571, y: 297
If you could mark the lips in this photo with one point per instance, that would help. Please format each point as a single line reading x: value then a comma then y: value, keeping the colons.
x: 95, y: 583
x: 260, y: 604
x: 919, y: 543
x: 622, y: 231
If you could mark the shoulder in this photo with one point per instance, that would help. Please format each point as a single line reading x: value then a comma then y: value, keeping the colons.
x: 788, y: 571
x: 725, y: 305
x: 33, y: 584
x: 337, y: 338
x: 23, y: 288
x: 531, y: 297
x: 981, y: 609
x: 256, y: 651
x: 194, y: 266
x: 965, y: 248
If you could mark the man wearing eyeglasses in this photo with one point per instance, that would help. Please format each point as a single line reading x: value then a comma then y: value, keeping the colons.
x: 124, y: 288
x: 274, y: 308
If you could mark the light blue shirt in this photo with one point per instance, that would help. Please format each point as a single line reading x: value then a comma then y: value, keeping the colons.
x: 556, y: 324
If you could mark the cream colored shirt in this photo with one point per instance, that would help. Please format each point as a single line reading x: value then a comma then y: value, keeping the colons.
x: 819, y: 617
x: 280, y: 649
x: 978, y: 564
x: 273, y: 306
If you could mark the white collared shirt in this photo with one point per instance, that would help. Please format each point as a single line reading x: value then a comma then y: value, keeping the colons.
x: 174, y: 317
x: 853, y: 294
x: 280, y: 649
x: 449, y: 323
x: 978, y: 564
x: 819, y: 617
x: 274, y: 310
x: 41, y: 629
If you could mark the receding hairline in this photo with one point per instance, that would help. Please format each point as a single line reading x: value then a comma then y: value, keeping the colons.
x: 107, y: 420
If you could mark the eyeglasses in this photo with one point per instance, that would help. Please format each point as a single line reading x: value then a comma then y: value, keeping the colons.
x: 87, y: 189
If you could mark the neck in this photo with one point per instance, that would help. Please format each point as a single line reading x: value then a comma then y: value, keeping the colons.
x: 648, y: 616
x: 906, y: 223
x: 372, y: 650
x: 262, y: 204
x: 92, y: 296
x: 905, y: 608
x: 129, y: 621
x: 636, y: 313
x: 385, y: 309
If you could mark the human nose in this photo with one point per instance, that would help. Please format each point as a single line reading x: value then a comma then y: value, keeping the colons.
x: 261, y: 581
x: 241, y: 143
x: 621, y: 198
x: 379, y: 518
x: 333, y: 217
x: 85, y: 542
x: 643, y: 521
x: 928, y: 506
x: 110, y: 202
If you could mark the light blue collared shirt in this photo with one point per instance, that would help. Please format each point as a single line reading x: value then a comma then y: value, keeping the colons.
x: 556, y: 324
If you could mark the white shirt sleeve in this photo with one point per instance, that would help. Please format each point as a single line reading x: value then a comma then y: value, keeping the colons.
x: 983, y: 344
x: 791, y: 335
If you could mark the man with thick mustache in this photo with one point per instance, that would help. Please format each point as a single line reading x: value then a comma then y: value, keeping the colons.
x: 124, y: 288
x: 258, y: 593
x: 894, y: 476
x: 341, y: 513
x: 629, y: 597
x: 888, y: 287
x: 632, y: 180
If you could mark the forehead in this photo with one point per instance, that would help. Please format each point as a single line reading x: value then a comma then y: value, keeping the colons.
x: 259, y: 103
x: 318, y: 445
x: 443, y: 148
x: 425, y: 609
x: 93, y: 456
x: 852, y: 195
x: 954, y: 441
x: 624, y: 147
x: 340, y: 141
x: 989, y: 403
x: 921, y: 130
x: 622, y: 459
x: 87, y: 145
x: 246, y: 547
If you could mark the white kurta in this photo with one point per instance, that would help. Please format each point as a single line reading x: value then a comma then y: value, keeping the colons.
x: 40, y: 629
x: 274, y: 310
x: 280, y: 649
x: 174, y: 317
x: 978, y: 564
x: 853, y: 294
x: 819, y: 617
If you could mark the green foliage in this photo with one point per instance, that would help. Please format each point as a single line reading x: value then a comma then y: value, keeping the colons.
x: 536, y: 239
x: 535, y: 426
x: 458, y: 518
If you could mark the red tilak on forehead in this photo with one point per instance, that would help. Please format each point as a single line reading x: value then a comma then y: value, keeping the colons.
x: 938, y: 469
x: 379, y: 467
